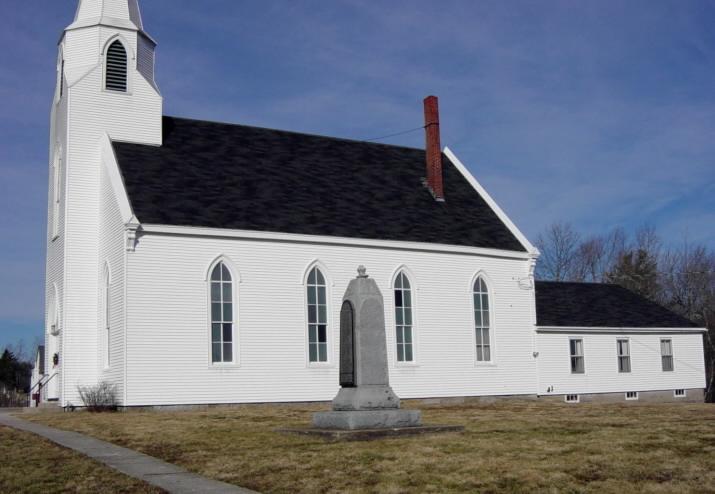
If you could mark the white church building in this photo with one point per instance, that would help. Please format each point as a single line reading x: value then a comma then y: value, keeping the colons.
x: 194, y: 262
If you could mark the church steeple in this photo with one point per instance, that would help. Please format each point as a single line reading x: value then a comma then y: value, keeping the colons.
x: 107, y: 66
x: 115, y: 13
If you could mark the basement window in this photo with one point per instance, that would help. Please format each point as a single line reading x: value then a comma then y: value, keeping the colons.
x: 631, y: 395
x: 572, y: 398
x: 679, y: 393
x: 116, y: 68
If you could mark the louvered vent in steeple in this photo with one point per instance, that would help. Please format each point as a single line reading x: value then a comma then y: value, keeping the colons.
x: 116, y: 75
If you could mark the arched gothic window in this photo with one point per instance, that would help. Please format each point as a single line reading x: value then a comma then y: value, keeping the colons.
x: 116, y: 68
x: 56, y: 191
x: 482, y: 321
x: 403, y: 318
x: 317, y: 317
x: 222, y: 319
x: 53, y: 313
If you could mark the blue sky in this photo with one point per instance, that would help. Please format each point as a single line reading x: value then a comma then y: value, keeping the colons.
x: 601, y: 113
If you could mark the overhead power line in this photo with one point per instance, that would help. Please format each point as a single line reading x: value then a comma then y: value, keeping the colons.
x: 395, y: 134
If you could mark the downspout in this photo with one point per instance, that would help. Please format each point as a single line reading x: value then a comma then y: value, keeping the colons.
x: 130, y: 241
x: 534, y: 335
x: 124, y: 322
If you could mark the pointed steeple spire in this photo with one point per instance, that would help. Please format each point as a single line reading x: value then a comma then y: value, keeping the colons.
x: 117, y: 13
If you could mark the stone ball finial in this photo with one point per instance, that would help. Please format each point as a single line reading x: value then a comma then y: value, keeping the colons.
x: 362, y: 271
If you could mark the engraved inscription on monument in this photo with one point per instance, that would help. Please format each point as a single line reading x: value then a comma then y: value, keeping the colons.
x: 347, y: 350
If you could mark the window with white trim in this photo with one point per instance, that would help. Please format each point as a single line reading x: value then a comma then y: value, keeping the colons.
x: 62, y: 77
x: 222, y: 315
x: 56, y: 193
x: 576, y: 351
x: 631, y: 395
x: 317, y: 317
x: 106, y: 315
x: 679, y: 393
x: 666, y: 354
x: 571, y: 398
x: 54, y: 312
x: 482, y: 320
x: 403, y: 318
x: 624, y: 355
x: 115, y: 75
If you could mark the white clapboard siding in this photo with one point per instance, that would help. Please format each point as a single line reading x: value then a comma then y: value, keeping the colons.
x: 111, y: 253
x: 168, y: 334
x: 601, y: 364
x: 92, y: 111
x: 54, y: 269
x: 145, y: 58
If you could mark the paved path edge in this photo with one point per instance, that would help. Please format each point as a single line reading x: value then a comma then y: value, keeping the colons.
x: 154, y: 471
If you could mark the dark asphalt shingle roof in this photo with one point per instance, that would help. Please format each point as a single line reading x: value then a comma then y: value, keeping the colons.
x: 564, y: 304
x: 209, y: 174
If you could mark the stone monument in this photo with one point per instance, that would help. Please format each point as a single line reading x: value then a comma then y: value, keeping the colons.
x: 365, y: 399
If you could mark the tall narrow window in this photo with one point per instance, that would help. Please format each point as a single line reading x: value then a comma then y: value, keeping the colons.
x: 56, y: 193
x: 62, y: 77
x: 624, y: 356
x: 317, y: 317
x: 116, y: 68
x: 221, y: 314
x: 576, y: 350
x: 107, y: 315
x: 666, y: 354
x: 403, y: 318
x: 481, y: 321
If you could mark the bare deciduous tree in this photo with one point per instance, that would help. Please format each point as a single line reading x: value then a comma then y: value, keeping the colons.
x: 688, y: 280
x: 681, y: 278
x: 558, y: 246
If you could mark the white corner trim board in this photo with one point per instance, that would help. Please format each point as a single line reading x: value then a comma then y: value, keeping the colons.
x: 533, y: 251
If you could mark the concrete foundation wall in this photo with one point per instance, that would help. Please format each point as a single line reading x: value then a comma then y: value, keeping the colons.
x: 663, y: 396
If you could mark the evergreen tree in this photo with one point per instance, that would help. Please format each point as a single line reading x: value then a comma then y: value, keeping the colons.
x: 8, y: 369
x: 636, y: 270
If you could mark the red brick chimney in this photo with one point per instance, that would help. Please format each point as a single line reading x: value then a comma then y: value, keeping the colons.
x: 433, y: 148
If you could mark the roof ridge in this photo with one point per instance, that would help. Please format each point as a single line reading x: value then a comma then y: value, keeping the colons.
x: 307, y: 134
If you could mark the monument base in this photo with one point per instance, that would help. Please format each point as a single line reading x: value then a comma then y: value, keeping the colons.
x: 366, y: 397
x: 369, y: 434
x: 367, y: 419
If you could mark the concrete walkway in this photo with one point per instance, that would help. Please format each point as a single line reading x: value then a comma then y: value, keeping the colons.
x: 140, y: 466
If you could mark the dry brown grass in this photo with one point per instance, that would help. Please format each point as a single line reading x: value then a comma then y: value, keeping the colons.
x: 513, y: 446
x: 29, y: 464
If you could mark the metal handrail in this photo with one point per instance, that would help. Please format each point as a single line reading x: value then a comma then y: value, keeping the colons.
x: 40, y: 383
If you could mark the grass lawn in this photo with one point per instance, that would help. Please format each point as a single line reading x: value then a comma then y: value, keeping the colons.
x: 511, y: 446
x: 31, y: 464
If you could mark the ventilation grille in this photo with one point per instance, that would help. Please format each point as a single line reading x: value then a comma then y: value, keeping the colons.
x: 116, y: 77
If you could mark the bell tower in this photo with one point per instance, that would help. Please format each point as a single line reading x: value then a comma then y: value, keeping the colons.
x: 105, y: 88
